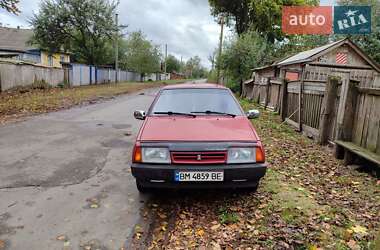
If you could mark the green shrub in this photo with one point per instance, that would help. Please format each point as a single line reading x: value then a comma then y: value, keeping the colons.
x: 40, y: 84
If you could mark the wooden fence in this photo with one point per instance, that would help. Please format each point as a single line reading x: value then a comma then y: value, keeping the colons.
x: 331, y: 105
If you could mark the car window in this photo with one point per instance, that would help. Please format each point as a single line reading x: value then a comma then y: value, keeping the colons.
x: 196, y: 100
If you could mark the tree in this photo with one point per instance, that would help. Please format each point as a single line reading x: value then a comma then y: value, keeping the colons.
x: 10, y: 6
x: 242, y: 54
x: 194, y: 69
x: 369, y: 43
x: 84, y: 27
x: 263, y: 16
x: 212, y: 59
x: 141, y: 55
x: 172, y: 64
x: 298, y: 43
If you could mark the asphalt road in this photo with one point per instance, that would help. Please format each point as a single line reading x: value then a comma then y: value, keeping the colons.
x: 65, y: 181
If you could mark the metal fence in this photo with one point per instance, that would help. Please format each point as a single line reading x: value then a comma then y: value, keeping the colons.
x: 17, y: 73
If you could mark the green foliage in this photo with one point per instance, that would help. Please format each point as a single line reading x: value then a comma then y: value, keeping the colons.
x: 369, y: 43
x: 263, y: 16
x: 242, y: 54
x: 40, y: 84
x: 212, y: 77
x: 194, y: 69
x: 227, y: 217
x: 10, y: 6
x: 141, y: 55
x: 298, y: 43
x: 84, y: 27
x: 172, y: 64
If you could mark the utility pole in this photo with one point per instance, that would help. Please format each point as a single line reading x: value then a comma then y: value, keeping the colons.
x: 117, y: 48
x: 166, y: 58
x: 220, y: 47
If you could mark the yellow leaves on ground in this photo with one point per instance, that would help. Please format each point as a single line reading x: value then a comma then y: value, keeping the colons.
x: 359, y: 230
x: 200, y: 232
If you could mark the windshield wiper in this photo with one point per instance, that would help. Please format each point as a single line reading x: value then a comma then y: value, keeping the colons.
x: 174, y: 113
x: 209, y: 112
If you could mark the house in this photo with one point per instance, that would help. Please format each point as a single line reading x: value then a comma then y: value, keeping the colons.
x: 330, y: 93
x: 342, y: 58
x: 14, y: 44
x: 177, y: 76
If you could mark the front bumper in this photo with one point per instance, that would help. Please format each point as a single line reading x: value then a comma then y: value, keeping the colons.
x: 236, y: 175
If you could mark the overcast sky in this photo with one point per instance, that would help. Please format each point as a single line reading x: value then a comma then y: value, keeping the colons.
x: 185, y: 25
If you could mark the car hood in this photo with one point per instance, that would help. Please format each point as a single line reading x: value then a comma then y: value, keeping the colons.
x: 197, y: 129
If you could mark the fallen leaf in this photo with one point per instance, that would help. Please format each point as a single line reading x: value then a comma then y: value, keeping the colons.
x: 2, y: 244
x: 215, y: 227
x: 352, y: 245
x: 61, y: 237
x: 313, y: 247
x: 162, y: 216
x: 200, y: 232
x: 94, y: 206
x: 359, y: 230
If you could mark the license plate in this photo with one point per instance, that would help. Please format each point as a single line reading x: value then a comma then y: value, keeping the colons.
x: 199, y: 176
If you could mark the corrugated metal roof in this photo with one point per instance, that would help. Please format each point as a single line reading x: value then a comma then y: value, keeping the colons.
x: 15, y: 39
x: 306, y: 55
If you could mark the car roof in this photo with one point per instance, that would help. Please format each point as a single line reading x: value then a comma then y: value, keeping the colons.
x: 195, y: 86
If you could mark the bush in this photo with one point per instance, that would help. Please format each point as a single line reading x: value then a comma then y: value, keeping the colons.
x: 212, y: 76
x: 40, y: 84
x: 234, y: 86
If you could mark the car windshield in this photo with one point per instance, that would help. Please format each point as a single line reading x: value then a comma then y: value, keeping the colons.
x: 197, y: 101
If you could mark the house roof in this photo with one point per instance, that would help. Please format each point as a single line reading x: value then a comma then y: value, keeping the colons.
x: 307, y: 55
x: 310, y: 55
x: 15, y: 39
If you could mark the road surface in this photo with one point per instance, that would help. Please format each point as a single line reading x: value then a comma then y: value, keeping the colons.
x: 65, y: 181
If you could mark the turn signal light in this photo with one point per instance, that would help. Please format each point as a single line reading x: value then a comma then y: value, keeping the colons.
x: 137, y: 156
x: 260, y: 155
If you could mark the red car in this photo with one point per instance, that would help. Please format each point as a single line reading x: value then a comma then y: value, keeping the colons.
x: 197, y: 136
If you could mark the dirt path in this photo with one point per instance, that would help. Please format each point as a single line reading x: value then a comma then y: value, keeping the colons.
x: 308, y: 200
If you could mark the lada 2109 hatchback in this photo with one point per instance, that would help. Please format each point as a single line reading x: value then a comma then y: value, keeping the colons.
x: 197, y: 136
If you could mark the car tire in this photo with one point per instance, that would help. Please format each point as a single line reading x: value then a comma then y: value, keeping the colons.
x: 251, y: 190
x: 141, y: 188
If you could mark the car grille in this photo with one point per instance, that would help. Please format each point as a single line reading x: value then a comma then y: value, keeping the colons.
x: 199, y: 157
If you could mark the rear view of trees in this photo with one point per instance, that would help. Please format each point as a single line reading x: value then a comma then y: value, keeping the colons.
x: 194, y: 69
x: 141, y: 55
x: 262, y: 16
x: 173, y: 64
x: 10, y: 6
x: 242, y: 54
x: 84, y: 27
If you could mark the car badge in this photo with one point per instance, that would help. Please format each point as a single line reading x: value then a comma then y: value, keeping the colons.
x: 199, y: 157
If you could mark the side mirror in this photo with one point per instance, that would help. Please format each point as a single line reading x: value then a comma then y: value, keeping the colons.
x: 253, y: 114
x: 139, y: 115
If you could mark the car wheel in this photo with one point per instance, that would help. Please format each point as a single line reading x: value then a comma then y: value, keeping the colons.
x: 251, y: 189
x: 141, y: 188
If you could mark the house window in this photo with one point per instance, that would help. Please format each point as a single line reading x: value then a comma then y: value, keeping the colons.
x: 50, y: 60
x: 62, y: 58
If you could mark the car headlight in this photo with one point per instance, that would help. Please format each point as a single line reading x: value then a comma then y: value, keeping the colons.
x: 155, y: 155
x: 241, y: 155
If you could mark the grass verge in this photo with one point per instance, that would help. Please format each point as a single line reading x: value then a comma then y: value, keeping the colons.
x: 23, y: 102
